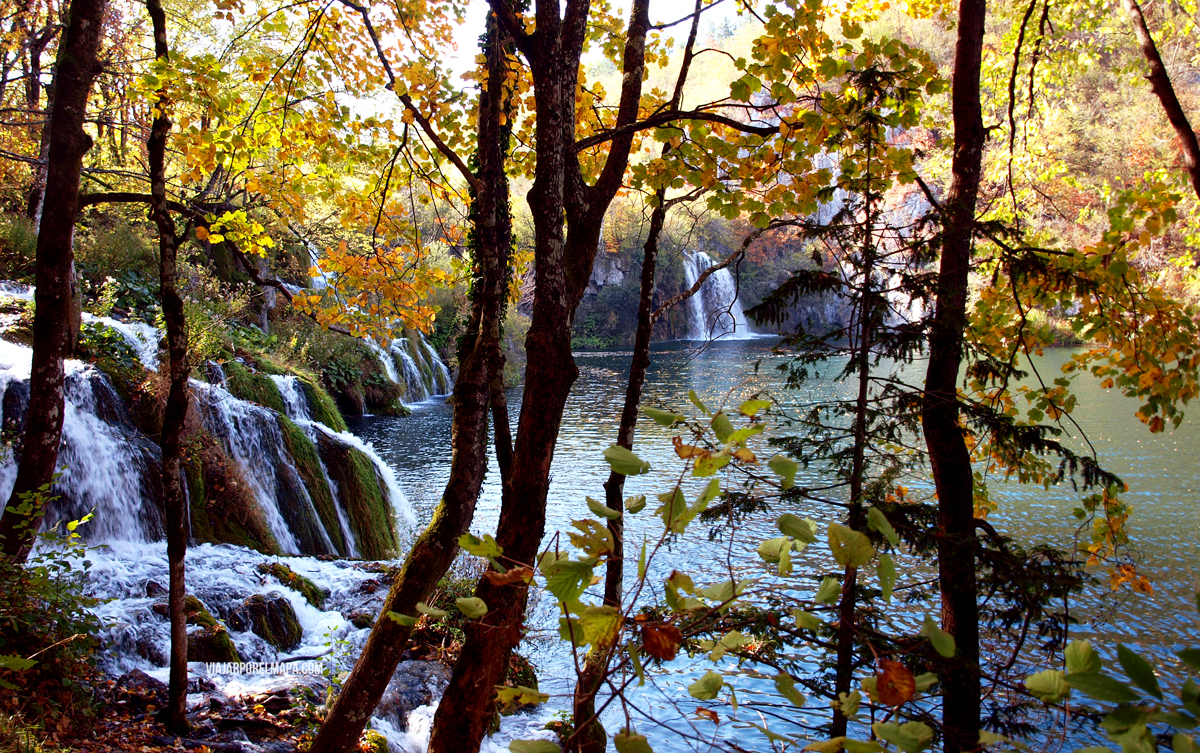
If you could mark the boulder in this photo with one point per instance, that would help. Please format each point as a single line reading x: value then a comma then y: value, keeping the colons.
x: 413, y: 684
x: 271, y: 617
x: 137, y: 691
x: 193, y: 608
x: 154, y: 589
x: 212, y: 644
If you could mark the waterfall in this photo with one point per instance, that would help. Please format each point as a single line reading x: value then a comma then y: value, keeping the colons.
x: 111, y: 467
x: 714, y: 311
x: 293, y: 396
x: 413, y: 363
x: 142, y: 337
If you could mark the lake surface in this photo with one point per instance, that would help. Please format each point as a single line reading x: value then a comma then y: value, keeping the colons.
x: 1162, y: 472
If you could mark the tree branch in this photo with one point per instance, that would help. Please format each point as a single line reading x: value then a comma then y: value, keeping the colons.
x: 671, y: 116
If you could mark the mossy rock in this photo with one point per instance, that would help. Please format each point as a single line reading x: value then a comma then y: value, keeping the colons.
x: 308, y: 465
x: 212, y: 644
x: 293, y: 580
x: 271, y: 618
x: 373, y: 742
x: 194, y: 610
x: 363, y: 497
x: 321, y: 405
x: 224, y: 510
x: 360, y: 619
x: 257, y: 388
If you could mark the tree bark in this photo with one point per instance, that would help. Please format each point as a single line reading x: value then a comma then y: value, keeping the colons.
x: 436, y: 548
x: 948, y: 454
x: 174, y: 716
x: 77, y: 67
x: 1160, y: 82
x: 562, y: 266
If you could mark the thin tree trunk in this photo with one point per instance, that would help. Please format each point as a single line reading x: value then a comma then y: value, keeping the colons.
x: 948, y: 454
x: 1160, y: 82
x: 174, y: 716
x: 77, y: 67
x: 436, y: 548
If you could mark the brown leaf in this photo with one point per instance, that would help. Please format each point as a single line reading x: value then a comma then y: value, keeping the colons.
x: 709, y: 714
x: 686, y: 451
x: 895, y: 684
x: 744, y: 455
x: 661, y: 640
x: 512, y: 576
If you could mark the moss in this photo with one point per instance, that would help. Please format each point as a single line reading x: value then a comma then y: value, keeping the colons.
x: 362, y: 496
x: 308, y: 464
x: 273, y: 619
x: 196, y: 613
x: 373, y: 742
x: 293, y: 580
x: 321, y: 406
x: 257, y: 388
x: 224, y: 510
x: 212, y: 644
x: 382, y: 395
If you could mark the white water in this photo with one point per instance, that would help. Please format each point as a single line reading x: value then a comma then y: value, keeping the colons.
x: 715, y: 311
x: 403, y: 360
x: 293, y: 397
x: 142, y: 337
x: 385, y: 360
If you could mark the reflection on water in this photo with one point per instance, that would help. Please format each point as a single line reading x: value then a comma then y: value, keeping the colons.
x: 1161, y: 471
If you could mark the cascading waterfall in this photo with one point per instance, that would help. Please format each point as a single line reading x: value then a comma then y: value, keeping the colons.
x: 413, y: 363
x: 142, y: 337
x: 715, y: 310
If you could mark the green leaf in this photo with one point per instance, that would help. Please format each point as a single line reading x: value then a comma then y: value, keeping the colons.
x: 723, y: 592
x: 910, y: 737
x: 731, y: 640
x: 1191, y: 657
x: 722, y: 426
x: 710, y: 464
x: 601, y: 510
x: 861, y: 746
x: 771, y: 549
x: 785, y: 562
x: 1189, y: 695
x: 642, y: 561
x: 887, y: 576
x: 485, y: 547
x: 1176, y: 719
x: 786, y: 686
x: 696, y: 402
x: 849, y: 702
x: 663, y: 417
x: 17, y: 663
x: 785, y: 468
x: 850, y: 548
x: 1049, y: 685
x: 1138, y: 670
x: 707, y: 687
x: 879, y: 523
x: 829, y: 591
x: 806, y: 620
x: 1103, y: 688
x: 533, y: 746
x: 567, y: 579
x: 1181, y: 743
x: 942, y: 641
x: 601, y: 626
x: 1082, y: 659
x: 629, y: 742
x: 471, y: 606
x: 673, y: 510
x: 803, y: 531
x: 431, y: 611
x: 624, y: 462
x: 752, y: 407
x: 635, y: 503
x: 925, y: 681
x: 520, y: 694
x: 636, y: 660
x: 401, y: 619
x: 987, y: 737
x: 711, y: 490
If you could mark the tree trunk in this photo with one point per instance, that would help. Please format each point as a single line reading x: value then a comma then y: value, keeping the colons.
x: 77, y: 67
x: 436, y: 548
x: 1160, y: 82
x: 174, y: 716
x: 948, y: 455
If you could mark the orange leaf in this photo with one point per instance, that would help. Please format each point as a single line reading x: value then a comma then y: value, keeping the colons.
x: 512, y: 576
x: 895, y: 684
x: 661, y: 640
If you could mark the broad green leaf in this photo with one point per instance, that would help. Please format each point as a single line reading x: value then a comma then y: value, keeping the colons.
x: 910, y: 737
x: 850, y: 548
x: 849, y: 702
x: 1181, y: 743
x: 1138, y: 670
x: 664, y: 417
x: 630, y: 742
x: 829, y: 591
x: 879, y: 523
x: 635, y: 503
x: 1136, y: 740
x: 785, y: 468
x: 520, y: 694
x: 471, y: 606
x: 731, y: 640
x: 804, y: 531
x: 485, y: 547
x: 1176, y: 719
x: 567, y: 579
x: 600, y: 509
x: 711, y: 490
x: 771, y: 549
x: 423, y: 608
x: 1049, y: 685
x: 772, y: 736
x: 20, y: 663
x: 806, y: 620
x: 752, y: 407
x: 1082, y: 659
x: 925, y: 681
x: 786, y: 686
x: 1189, y: 695
x: 723, y: 592
x: 696, y: 402
x: 887, y: 576
x: 594, y: 538
x: 785, y: 562
x: 722, y: 426
x: 861, y: 746
x: 707, y: 687
x: 741, y: 435
x: 533, y: 746
x: 1191, y: 657
x: 673, y: 511
x: 624, y: 462
x: 942, y: 641
x: 710, y: 464
x: 401, y: 619
x: 1103, y: 688
x: 833, y: 745
x: 601, y: 625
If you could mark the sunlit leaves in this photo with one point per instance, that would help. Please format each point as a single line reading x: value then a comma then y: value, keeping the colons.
x: 942, y: 641
x: 1049, y: 685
